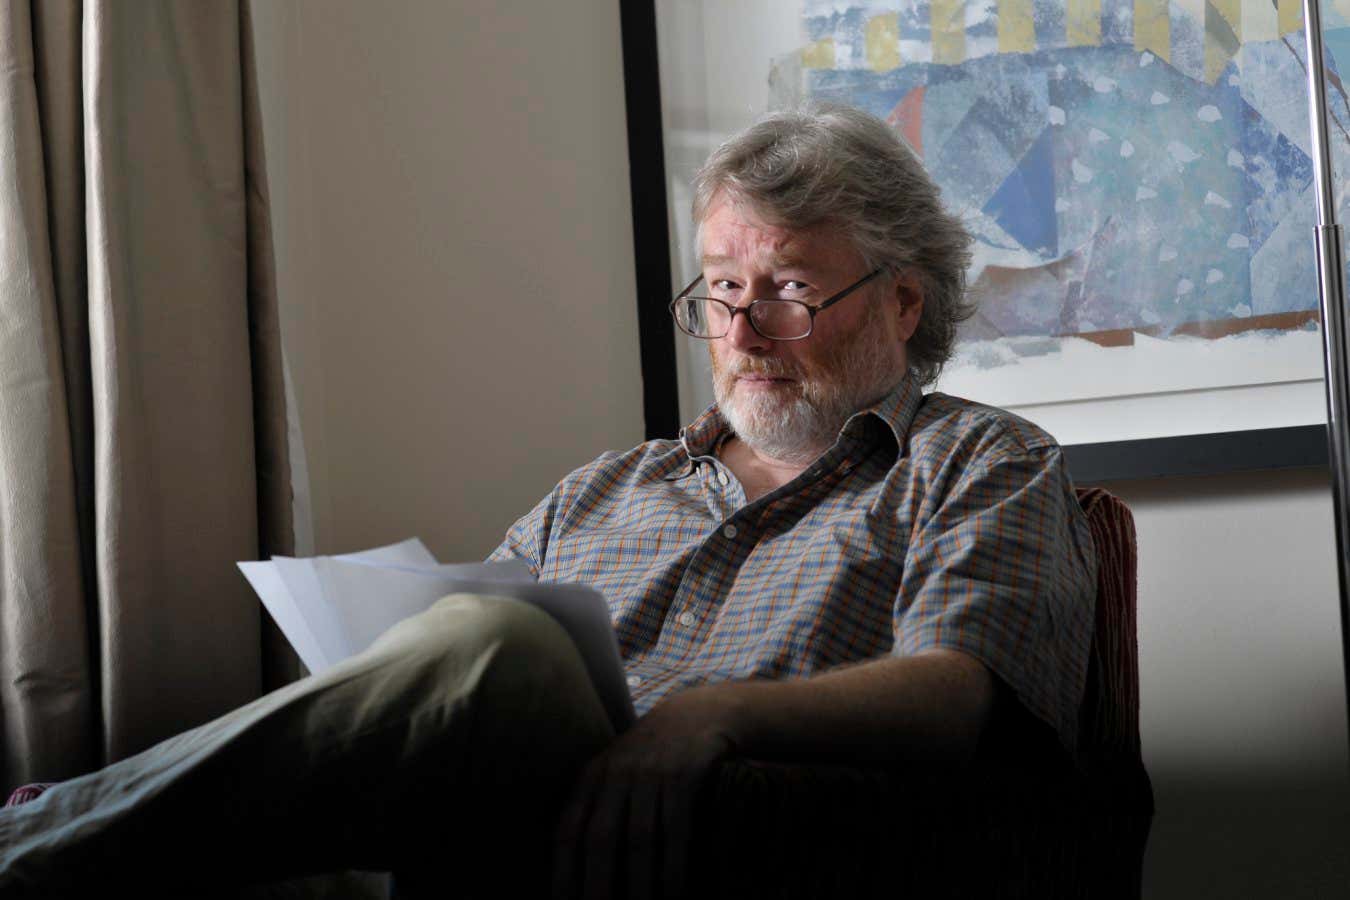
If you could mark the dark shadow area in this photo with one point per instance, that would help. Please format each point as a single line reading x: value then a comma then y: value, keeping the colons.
x: 1259, y: 836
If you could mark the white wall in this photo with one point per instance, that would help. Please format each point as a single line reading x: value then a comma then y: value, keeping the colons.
x: 450, y: 188
x: 1243, y: 715
x: 454, y: 249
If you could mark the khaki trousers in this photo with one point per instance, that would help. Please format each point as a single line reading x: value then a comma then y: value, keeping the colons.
x: 447, y: 747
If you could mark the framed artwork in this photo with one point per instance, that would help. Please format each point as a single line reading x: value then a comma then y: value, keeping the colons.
x: 1135, y: 174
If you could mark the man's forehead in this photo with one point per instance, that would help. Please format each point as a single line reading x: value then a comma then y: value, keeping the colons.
x: 780, y: 247
x: 779, y: 259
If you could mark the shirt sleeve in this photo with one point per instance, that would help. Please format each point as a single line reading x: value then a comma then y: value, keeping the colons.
x: 527, y: 538
x: 1002, y: 568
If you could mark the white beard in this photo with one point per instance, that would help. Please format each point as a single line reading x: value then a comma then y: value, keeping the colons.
x: 799, y: 425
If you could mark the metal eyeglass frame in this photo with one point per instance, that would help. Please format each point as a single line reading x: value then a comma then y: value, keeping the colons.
x: 811, y: 310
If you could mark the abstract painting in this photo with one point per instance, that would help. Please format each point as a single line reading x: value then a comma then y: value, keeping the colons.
x: 1136, y: 174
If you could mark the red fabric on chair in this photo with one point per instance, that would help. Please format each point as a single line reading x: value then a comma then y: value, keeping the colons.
x: 1109, y: 718
x: 26, y: 793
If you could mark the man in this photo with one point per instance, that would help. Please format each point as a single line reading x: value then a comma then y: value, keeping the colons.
x: 827, y: 565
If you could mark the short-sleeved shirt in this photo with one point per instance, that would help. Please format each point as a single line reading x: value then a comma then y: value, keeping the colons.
x: 931, y: 522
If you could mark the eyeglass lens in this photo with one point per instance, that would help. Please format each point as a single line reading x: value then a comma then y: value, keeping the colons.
x: 780, y: 319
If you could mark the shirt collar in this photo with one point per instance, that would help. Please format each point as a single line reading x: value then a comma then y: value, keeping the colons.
x: 896, y: 410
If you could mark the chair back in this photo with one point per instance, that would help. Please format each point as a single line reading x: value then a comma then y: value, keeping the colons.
x: 1108, y: 720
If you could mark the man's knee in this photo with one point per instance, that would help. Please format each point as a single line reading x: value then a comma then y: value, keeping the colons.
x: 493, y: 648
x: 468, y: 625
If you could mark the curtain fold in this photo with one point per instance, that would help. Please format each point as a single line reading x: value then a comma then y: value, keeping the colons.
x: 142, y: 413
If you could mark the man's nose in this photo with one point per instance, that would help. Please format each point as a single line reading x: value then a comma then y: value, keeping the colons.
x: 743, y: 337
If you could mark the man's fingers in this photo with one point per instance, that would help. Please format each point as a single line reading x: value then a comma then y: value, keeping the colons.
x: 641, y: 853
x: 567, y: 837
x: 602, y: 839
x: 677, y: 825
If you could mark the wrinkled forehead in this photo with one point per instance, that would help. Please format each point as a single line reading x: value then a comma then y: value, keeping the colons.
x: 734, y: 231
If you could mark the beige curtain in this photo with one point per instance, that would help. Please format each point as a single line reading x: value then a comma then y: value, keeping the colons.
x: 142, y: 419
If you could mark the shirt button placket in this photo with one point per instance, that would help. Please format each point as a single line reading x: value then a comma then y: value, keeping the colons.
x: 687, y: 619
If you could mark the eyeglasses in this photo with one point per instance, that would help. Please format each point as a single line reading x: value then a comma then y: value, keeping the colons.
x: 777, y: 320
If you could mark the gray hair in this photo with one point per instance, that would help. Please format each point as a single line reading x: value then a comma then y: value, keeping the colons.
x: 826, y: 163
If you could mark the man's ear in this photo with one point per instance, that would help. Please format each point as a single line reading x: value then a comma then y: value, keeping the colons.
x: 910, y: 295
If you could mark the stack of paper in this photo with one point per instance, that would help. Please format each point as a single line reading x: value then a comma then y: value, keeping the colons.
x: 333, y: 607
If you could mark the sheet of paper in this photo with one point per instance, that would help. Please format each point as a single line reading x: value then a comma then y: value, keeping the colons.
x: 411, y: 552
x: 333, y: 607
x: 267, y: 584
x: 368, y: 599
x: 325, y: 623
x: 512, y: 571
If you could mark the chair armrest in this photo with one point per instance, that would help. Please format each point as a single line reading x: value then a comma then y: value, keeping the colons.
x: 791, y: 830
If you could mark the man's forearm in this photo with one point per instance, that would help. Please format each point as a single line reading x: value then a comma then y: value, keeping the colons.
x: 931, y: 706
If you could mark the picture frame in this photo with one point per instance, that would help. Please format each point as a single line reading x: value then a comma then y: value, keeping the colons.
x: 1296, y: 443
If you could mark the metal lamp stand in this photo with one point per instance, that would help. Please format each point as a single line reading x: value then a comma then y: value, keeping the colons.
x: 1331, y: 286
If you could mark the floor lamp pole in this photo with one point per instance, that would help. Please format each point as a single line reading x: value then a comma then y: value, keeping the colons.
x: 1331, y: 286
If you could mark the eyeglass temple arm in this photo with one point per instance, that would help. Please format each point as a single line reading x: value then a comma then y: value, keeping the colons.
x: 830, y: 302
x: 693, y: 284
x: 842, y: 294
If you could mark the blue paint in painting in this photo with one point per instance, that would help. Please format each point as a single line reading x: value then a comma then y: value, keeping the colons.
x: 1024, y: 205
x: 1109, y: 188
x: 1337, y: 42
x: 1006, y: 114
x: 1047, y: 17
x: 1276, y: 173
x: 1118, y: 22
x: 916, y: 21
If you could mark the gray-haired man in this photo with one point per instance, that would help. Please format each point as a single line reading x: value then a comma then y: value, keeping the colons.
x: 828, y: 564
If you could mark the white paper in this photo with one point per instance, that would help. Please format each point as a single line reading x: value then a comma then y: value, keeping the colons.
x: 411, y: 552
x: 269, y: 587
x: 333, y: 607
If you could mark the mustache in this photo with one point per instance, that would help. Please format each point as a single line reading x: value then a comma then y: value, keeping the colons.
x: 768, y: 367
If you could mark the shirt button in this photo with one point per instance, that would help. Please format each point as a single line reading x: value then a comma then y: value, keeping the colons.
x: 722, y: 479
x: 633, y: 681
x: 687, y: 619
x: 730, y: 531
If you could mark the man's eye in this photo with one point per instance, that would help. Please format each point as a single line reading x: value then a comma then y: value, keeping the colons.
x: 722, y: 286
x: 796, y: 287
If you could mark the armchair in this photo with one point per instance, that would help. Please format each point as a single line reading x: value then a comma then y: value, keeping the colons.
x: 1027, y: 824
x: 1031, y: 826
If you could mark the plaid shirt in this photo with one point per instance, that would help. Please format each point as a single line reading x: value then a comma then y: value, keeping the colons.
x: 932, y: 522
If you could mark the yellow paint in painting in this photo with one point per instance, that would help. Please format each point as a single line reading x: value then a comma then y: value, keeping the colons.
x: 1231, y: 10
x: 882, y: 40
x: 1017, y: 28
x: 1291, y: 16
x: 949, y: 31
x: 1153, y: 28
x: 1083, y: 23
x: 1223, y: 36
x: 1259, y: 21
x: 1342, y: 7
x: 819, y: 54
x: 1216, y: 60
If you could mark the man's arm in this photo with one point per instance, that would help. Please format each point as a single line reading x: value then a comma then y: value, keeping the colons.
x: 997, y: 570
x: 638, y: 795
x: 933, y: 705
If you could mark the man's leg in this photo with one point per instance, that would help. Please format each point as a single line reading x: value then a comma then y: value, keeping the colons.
x: 458, y: 729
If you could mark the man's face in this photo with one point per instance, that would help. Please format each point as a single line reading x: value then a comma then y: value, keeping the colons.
x: 788, y: 399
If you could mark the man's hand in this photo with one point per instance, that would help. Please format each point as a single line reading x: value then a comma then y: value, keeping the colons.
x: 634, y: 802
